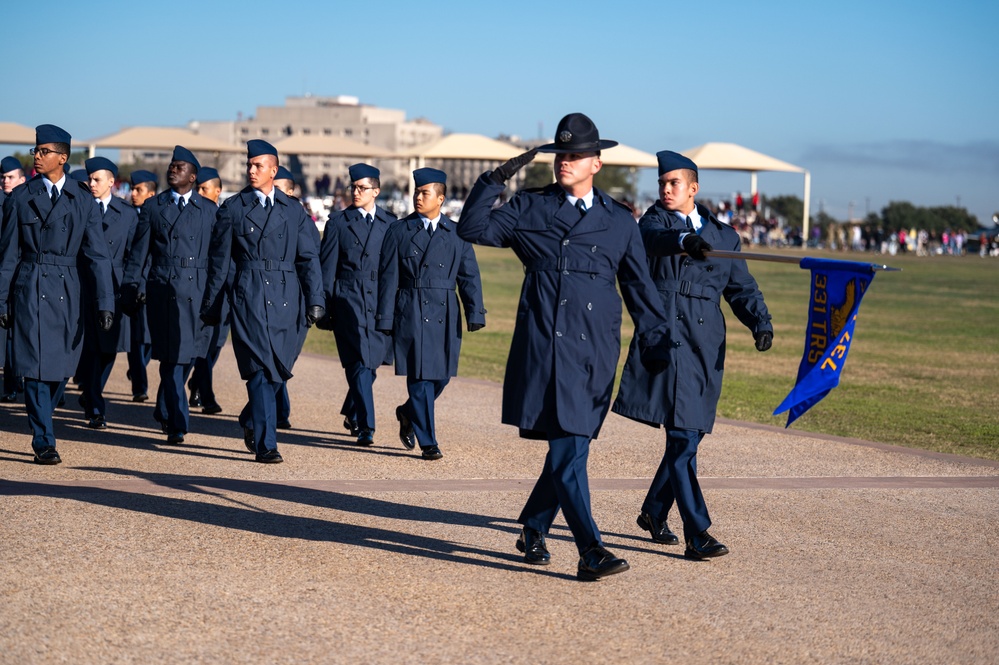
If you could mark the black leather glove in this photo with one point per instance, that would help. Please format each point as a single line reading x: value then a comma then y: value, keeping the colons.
x: 140, y: 298
x: 128, y: 299
x: 764, y: 339
x: 472, y: 327
x: 211, y: 319
x: 695, y: 246
x: 506, y: 170
x: 105, y: 319
x: 4, y: 321
x: 325, y: 323
x: 313, y: 314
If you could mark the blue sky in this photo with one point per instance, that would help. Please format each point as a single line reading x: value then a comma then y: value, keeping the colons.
x: 881, y: 101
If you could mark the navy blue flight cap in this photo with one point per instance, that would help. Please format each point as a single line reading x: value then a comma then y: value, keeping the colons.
x: 361, y: 171
x: 258, y: 147
x: 182, y: 154
x: 427, y: 175
x: 671, y: 161
x: 284, y: 174
x: 207, y: 173
x: 79, y: 174
x: 51, y: 134
x: 9, y: 164
x: 101, y: 164
x: 144, y: 176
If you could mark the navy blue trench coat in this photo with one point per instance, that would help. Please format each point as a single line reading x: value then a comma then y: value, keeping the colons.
x: 274, y: 261
x: 176, y: 244
x: 39, y: 279
x: 349, y: 256
x: 417, y: 299
x: 567, y: 337
x: 119, y: 224
x: 686, y: 394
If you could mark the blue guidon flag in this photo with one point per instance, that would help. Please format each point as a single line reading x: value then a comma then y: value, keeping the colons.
x: 837, y: 289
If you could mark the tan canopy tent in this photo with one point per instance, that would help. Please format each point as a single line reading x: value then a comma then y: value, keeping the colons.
x: 12, y: 133
x: 159, y: 138
x: 333, y: 146
x: 732, y: 157
x: 462, y: 146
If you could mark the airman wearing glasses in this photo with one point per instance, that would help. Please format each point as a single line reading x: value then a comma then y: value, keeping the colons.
x: 349, y: 255
x: 50, y: 223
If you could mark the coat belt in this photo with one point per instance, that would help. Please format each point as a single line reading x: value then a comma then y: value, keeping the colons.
x: 267, y: 264
x: 48, y: 259
x: 357, y: 275
x: 410, y: 283
x: 165, y: 262
x: 688, y: 289
x: 566, y: 265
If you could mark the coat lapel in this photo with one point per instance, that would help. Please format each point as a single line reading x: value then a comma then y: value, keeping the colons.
x: 40, y: 200
x: 170, y: 213
x: 357, y: 226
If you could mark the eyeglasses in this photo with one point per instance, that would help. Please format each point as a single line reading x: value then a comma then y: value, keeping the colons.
x: 44, y: 152
x: 360, y: 188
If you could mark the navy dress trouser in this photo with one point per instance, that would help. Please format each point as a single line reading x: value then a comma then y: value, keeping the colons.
x: 359, y: 404
x: 40, y: 400
x: 171, y: 397
x: 564, y: 484
x: 676, y: 482
x: 419, y: 408
x: 261, y: 411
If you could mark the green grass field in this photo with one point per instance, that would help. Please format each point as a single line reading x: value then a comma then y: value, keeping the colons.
x: 923, y: 369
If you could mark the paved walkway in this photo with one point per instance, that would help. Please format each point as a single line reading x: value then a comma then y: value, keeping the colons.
x: 133, y: 551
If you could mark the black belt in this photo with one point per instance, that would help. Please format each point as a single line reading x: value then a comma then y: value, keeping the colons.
x: 409, y: 283
x: 163, y: 262
x: 687, y: 288
x: 48, y: 259
x: 358, y: 275
x: 267, y: 264
x: 566, y: 265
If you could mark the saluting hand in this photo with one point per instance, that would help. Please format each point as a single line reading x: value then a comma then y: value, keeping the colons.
x: 764, y: 339
x: 510, y: 167
x: 105, y: 319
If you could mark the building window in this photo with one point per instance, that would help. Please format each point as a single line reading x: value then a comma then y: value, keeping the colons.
x: 306, y: 131
x: 348, y: 132
x: 264, y: 131
x: 244, y: 131
x: 327, y: 131
x: 326, y: 165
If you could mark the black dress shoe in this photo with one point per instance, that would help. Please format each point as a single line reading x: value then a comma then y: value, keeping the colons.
x: 284, y: 424
x: 597, y: 562
x: 211, y: 409
x: 351, y: 426
x: 47, y: 456
x: 175, y: 438
x: 97, y: 422
x: 366, y: 437
x: 532, y: 544
x: 9, y: 398
x: 248, y: 440
x: 703, y: 546
x: 270, y: 457
x: 406, y: 433
x: 163, y: 426
x: 141, y: 397
x: 195, y: 399
x: 658, y: 528
x: 431, y: 452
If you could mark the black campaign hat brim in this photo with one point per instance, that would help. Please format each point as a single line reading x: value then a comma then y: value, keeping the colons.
x: 563, y: 148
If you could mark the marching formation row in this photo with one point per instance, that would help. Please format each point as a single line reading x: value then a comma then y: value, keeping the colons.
x: 77, y: 266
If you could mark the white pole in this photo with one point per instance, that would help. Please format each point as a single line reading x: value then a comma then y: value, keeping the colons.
x: 804, y: 221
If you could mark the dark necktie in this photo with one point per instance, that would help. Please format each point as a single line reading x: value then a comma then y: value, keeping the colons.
x: 104, y: 208
x: 55, y: 194
x: 181, y: 204
x: 267, y: 204
x: 430, y: 229
x: 581, y: 207
x: 369, y: 218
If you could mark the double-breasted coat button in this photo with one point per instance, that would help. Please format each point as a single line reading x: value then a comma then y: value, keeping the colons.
x: 583, y: 336
x: 710, y: 268
x: 700, y: 320
x: 589, y: 306
x: 679, y: 317
x: 593, y: 249
x: 558, y: 333
x: 563, y: 302
x: 565, y: 242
